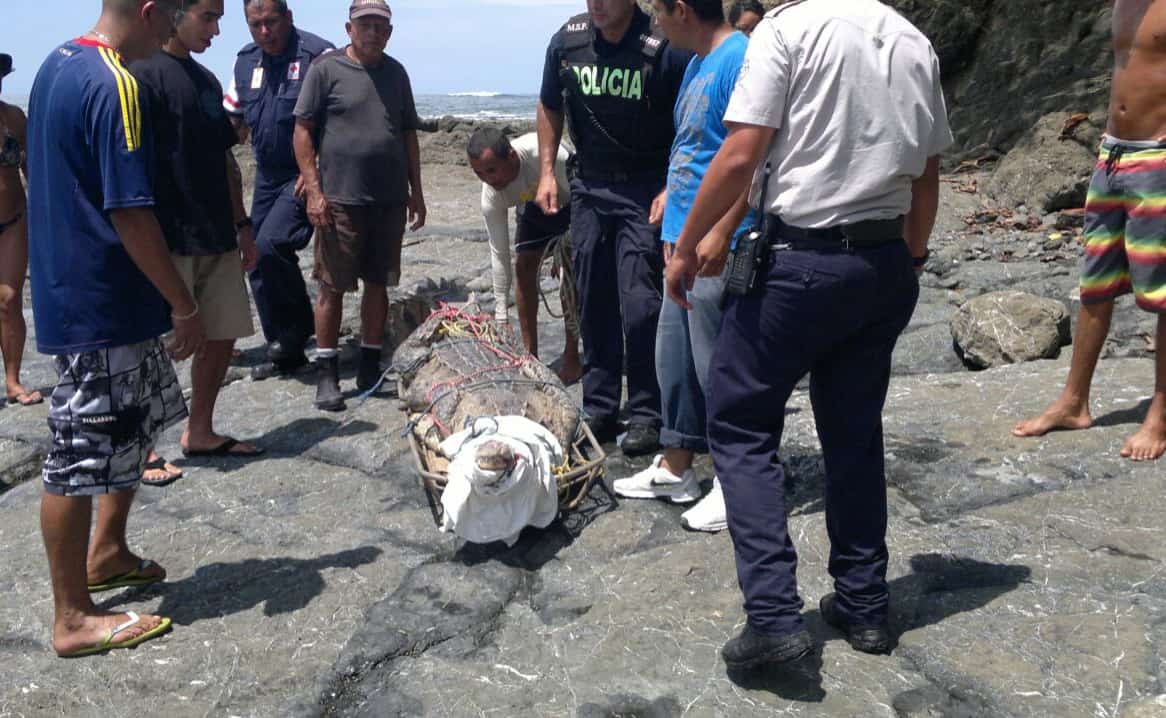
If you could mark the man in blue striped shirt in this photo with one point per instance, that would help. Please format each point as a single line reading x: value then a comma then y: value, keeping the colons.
x: 104, y: 291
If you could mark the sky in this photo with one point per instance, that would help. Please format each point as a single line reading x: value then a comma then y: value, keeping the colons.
x: 446, y: 45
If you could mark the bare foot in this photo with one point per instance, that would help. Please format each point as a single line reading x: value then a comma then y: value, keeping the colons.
x: 1148, y: 444
x: 79, y: 632
x: 570, y: 371
x: 1061, y: 415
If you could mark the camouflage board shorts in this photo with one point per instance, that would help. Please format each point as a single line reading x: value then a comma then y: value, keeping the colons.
x: 106, y: 413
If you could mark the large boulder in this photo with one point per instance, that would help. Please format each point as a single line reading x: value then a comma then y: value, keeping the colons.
x: 1009, y: 327
x: 1049, y: 168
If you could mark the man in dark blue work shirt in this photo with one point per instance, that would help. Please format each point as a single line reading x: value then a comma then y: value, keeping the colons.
x: 266, y: 84
x: 617, y: 80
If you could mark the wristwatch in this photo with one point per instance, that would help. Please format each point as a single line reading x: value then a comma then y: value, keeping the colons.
x: 918, y: 262
x: 245, y: 222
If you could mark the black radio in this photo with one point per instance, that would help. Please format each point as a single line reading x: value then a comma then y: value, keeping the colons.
x: 750, y: 258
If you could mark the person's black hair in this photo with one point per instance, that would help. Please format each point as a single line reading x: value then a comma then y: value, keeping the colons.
x: 706, y: 10
x: 743, y: 6
x: 280, y: 5
x: 5, y: 64
x: 488, y: 138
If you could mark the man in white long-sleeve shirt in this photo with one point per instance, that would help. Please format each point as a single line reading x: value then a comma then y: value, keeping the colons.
x: 510, y: 175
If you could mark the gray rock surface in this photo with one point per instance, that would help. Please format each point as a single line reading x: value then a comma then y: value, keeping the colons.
x: 1049, y: 168
x: 1026, y: 574
x: 1009, y: 327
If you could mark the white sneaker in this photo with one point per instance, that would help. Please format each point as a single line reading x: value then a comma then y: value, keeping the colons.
x: 656, y: 482
x: 709, y: 514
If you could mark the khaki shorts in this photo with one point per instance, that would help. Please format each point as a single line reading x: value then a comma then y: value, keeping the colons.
x: 216, y: 281
x: 365, y: 245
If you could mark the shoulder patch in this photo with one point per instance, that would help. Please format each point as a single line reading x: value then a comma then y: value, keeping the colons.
x: 578, y: 23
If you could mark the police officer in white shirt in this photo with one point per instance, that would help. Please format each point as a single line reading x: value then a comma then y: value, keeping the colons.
x: 510, y: 174
x: 838, y: 117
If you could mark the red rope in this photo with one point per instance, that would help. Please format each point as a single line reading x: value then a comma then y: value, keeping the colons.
x: 477, y: 326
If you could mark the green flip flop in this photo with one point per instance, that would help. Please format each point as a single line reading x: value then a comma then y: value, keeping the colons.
x: 108, y: 643
x: 134, y: 577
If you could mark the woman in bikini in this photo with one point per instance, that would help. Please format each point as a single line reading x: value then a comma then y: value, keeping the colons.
x: 13, y: 246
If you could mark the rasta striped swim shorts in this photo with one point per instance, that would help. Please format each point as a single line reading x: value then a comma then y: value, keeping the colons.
x: 1125, y: 225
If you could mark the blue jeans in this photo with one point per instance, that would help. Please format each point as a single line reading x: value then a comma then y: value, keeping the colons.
x: 684, y: 345
x: 836, y: 315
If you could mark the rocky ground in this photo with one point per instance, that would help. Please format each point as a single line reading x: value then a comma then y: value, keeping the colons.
x: 1028, y: 576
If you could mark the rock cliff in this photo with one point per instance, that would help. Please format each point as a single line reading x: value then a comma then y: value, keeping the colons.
x: 1007, y: 64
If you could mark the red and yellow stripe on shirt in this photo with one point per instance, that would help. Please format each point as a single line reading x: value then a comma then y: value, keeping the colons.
x: 127, y: 91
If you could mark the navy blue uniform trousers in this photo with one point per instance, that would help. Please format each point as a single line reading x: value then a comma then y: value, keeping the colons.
x: 836, y: 315
x: 281, y: 297
x: 619, y: 282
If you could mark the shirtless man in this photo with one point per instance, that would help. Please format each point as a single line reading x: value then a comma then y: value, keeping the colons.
x: 13, y: 246
x: 1125, y: 248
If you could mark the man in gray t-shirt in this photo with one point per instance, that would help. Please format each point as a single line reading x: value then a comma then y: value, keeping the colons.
x: 356, y: 146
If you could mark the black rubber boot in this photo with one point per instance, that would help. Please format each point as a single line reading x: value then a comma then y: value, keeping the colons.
x: 328, y: 396
x: 369, y: 371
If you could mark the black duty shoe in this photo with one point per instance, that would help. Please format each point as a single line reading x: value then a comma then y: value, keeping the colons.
x: 328, y: 396
x: 285, y: 364
x: 369, y: 371
x: 641, y: 439
x: 605, y: 430
x: 868, y: 639
x: 751, y: 648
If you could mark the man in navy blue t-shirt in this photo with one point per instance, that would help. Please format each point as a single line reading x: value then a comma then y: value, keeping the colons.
x: 102, y: 280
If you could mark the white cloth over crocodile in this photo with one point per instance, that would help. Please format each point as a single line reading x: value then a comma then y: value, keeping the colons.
x: 483, y: 505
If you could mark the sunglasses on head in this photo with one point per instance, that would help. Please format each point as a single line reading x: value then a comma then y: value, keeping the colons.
x: 5, y: 64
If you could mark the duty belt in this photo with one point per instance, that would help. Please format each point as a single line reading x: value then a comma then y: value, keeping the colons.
x: 581, y: 170
x: 868, y: 233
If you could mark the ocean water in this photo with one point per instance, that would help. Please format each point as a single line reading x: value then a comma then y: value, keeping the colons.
x: 465, y: 105
x: 478, y: 105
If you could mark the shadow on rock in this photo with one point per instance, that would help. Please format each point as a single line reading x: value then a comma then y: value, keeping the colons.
x: 938, y: 588
x: 283, y: 585
x: 1121, y: 417
x: 799, y: 681
x: 289, y: 440
x: 535, y: 547
x: 630, y: 706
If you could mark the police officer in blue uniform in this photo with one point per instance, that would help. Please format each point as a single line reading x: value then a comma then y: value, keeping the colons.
x: 616, y: 79
x: 264, y: 89
x: 850, y: 186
